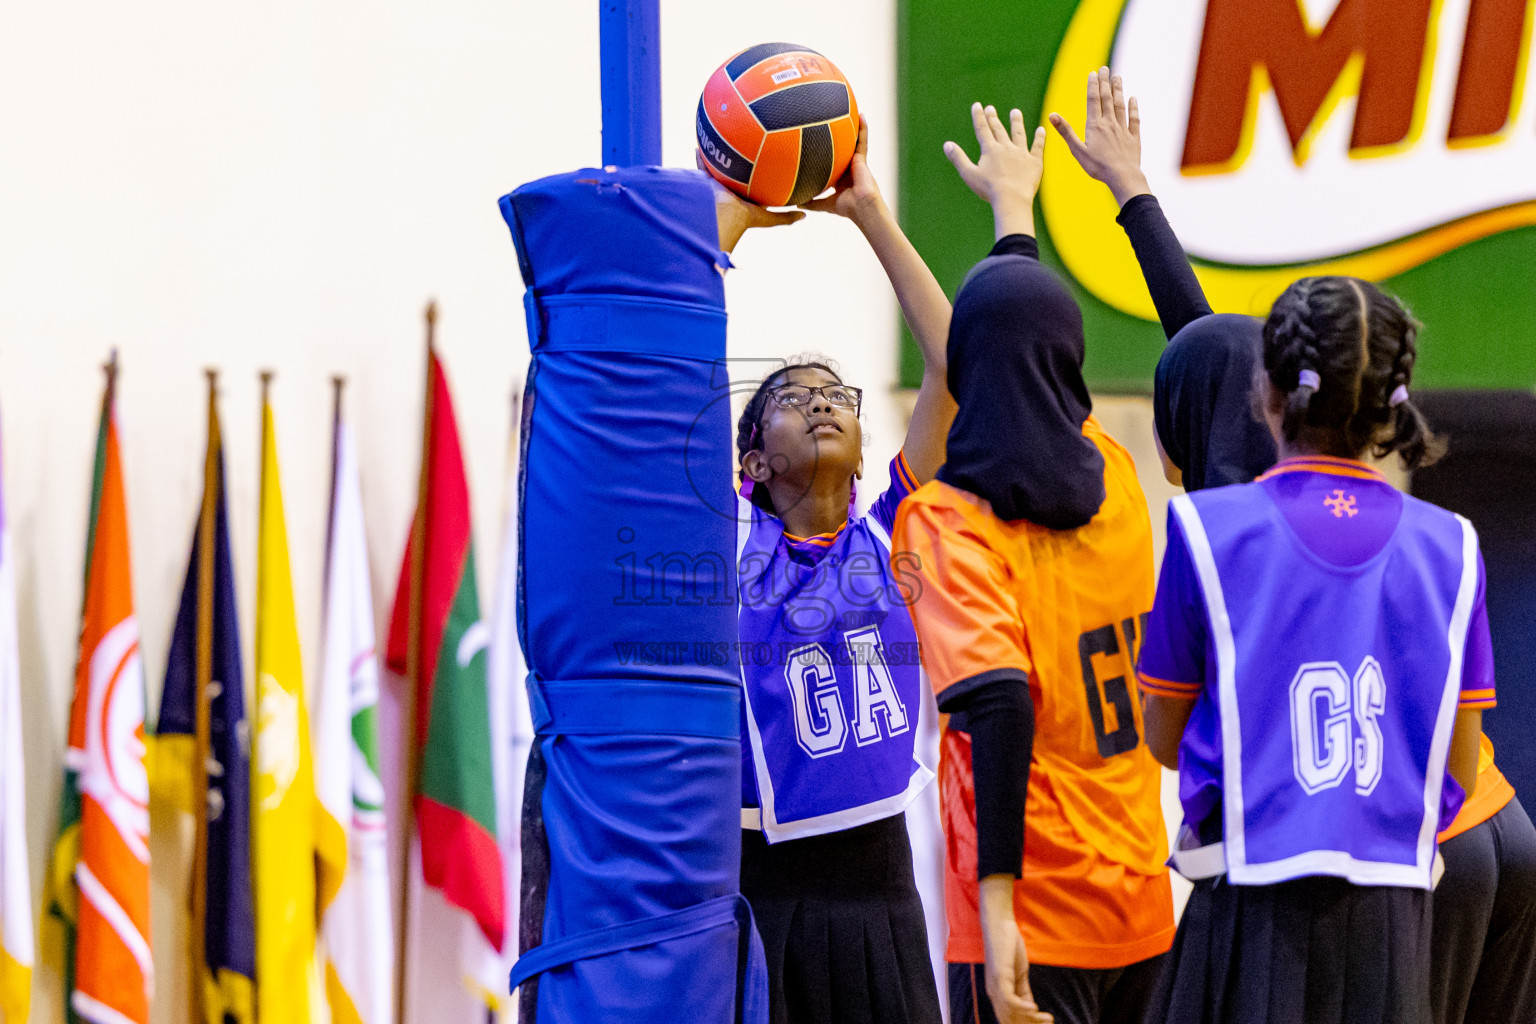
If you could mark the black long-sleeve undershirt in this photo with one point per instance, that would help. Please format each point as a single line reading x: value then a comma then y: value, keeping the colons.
x: 1000, y: 717
x: 1016, y: 245
x: 1175, y: 289
x: 1176, y: 292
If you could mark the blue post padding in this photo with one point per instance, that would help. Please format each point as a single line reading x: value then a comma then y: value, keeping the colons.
x: 629, y: 530
x: 643, y: 231
x: 610, y: 707
x: 630, y: 33
x: 705, y: 929
x: 627, y: 598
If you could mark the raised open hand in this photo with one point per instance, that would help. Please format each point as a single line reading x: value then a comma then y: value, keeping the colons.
x: 1110, y: 150
x: 1007, y: 174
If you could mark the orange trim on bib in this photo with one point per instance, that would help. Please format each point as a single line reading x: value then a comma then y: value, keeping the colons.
x: 1168, y: 688
x: 1328, y: 464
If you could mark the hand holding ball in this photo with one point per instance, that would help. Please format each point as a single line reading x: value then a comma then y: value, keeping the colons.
x: 777, y: 124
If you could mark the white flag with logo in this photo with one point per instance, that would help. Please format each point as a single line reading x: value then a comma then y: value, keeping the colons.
x: 357, y: 935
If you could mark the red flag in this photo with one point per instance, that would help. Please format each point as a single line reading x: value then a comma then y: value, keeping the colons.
x: 454, y: 787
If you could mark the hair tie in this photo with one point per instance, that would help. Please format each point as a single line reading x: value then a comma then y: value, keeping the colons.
x: 1399, y: 396
x: 1309, y: 379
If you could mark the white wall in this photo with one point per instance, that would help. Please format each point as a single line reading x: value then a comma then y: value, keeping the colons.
x: 284, y: 186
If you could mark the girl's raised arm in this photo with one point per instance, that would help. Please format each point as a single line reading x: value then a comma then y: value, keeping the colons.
x: 1110, y: 152
x: 923, y: 303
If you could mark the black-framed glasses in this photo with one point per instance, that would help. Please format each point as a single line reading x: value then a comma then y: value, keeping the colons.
x: 793, y: 396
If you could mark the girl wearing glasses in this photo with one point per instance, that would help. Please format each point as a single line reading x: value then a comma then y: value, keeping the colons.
x: 830, y: 666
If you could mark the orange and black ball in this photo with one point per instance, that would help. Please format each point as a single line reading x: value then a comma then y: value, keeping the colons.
x: 777, y: 124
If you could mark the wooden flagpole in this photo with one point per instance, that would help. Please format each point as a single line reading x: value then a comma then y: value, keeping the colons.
x: 413, y: 660
x: 338, y: 382
x: 202, y: 737
x: 108, y: 397
x: 110, y: 368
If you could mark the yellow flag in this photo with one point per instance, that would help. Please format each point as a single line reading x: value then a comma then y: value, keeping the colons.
x: 284, y: 863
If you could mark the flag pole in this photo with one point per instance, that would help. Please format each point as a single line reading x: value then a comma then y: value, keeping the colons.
x: 265, y: 376
x: 413, y: 656
x: 513, y: 454
x: 205, y: 541
x: 108, y: 397
x: 338, y: 382
x: 110, y: 368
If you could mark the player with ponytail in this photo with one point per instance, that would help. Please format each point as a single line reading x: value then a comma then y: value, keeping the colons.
x: 1484, y: 939
x: 1316, y: 666
x: 1371, y: 411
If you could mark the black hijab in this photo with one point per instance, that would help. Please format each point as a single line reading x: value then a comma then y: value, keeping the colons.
x: 1201, y: 403
x: 1016, y: 370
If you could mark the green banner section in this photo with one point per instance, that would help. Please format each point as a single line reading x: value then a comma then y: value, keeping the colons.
x: 1477, y: 301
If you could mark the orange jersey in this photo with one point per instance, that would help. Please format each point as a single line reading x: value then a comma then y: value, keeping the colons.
x: 1067, y: 608
x: 1492, y: 793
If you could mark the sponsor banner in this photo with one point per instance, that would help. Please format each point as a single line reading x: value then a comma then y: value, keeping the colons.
x: 1388, y: 139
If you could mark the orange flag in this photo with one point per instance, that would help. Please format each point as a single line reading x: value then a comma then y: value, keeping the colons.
x: 100, y: 873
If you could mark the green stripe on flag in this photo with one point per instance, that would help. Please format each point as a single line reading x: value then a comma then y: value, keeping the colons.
x: 456, y: 759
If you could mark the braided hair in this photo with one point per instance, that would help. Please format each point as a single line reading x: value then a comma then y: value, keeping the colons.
x: 1341, y: 351
x: 749, y: 433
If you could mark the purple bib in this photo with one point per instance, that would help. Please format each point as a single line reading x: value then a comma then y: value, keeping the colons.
x: 1337, y: 687
x: 832, y: 678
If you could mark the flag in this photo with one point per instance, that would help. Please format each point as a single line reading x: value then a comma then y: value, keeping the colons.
x: 511, y: 718
x: 15, y: 883
x: 356, y: 931
x: 456, y: 897
x: 202, y: 760
x: 290, y: 874
x: 99, y: 879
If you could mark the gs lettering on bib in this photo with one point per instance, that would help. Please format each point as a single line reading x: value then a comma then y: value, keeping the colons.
x: 1336, y: 686
x: 832, y: 679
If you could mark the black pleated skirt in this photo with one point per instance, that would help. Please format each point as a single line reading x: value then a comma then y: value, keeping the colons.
x: 842, y: 926
x: 1308, y: 951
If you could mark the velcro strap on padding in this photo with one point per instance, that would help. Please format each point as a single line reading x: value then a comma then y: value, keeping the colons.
x: 701, y: 917
x: 612, y: 707
x: 621, y: 323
